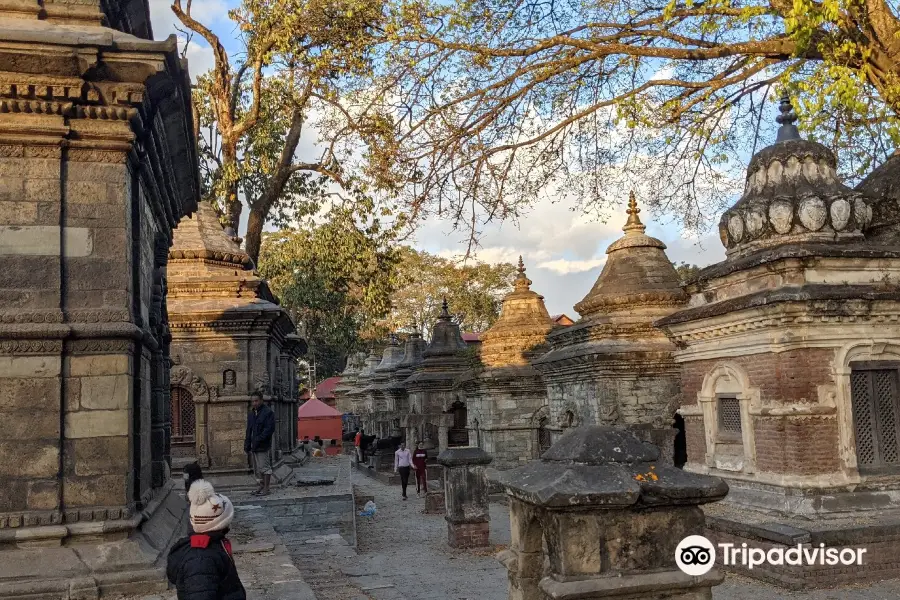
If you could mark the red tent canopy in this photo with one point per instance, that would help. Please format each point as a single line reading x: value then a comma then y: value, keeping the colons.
x: 315, y: 418
x: 315, y: 408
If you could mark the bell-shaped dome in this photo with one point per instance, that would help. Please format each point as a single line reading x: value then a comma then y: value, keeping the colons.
x: 412, y: 351
x: 446, y: 339
x: 391, y: 357
x: 793, y: 194
x: 637, y: 273
x: 371, y: 362
x: 523, y: 325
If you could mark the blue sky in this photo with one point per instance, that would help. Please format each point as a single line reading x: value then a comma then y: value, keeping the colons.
x: 563, y: 249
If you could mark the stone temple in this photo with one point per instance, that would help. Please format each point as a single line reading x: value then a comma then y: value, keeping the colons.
x: 123, y: 340
x: 98, y: 164
x: 775, y: 370
x: 229, y: 338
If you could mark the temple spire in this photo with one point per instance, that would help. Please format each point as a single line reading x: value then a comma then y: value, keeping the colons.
x: 445, y: 310
x: 522, y: 282
x: 787, y: 119
x: 633, y: 225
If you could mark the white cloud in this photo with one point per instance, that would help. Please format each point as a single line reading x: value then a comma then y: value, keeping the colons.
x: 564, y: 266
x: 200, y: 58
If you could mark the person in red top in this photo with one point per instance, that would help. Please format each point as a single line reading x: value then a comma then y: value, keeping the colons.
x: 418, y: 463
x: 357, y: 442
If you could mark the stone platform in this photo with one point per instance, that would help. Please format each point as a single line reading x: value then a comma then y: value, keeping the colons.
x: 385, y: 477
x: 93, y: 562
x: 876, y: 531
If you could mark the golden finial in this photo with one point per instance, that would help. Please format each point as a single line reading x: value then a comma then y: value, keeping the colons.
x: 522, y: 281
x: 633, y: 224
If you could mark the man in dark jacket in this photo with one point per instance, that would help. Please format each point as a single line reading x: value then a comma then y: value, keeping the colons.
x: 258, y: 442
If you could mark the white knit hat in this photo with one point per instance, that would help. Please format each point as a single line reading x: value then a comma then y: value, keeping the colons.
x: 209, y: 511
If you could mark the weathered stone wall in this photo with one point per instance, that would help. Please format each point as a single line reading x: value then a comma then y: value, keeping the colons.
x: 641, y: 394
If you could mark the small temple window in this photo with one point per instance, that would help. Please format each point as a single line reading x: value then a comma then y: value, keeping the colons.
x: 729, y: 409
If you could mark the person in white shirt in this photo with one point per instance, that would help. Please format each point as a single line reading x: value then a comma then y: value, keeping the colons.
x: 402, y: 465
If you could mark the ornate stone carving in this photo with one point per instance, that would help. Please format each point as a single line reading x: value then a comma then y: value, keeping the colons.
x: 39, y: 316
x: 781, y: 214
x: 30, y: 346
x: 185, y: 377
x: 813, y: 214
x: 262, y: 383
x: 736, y: 227
x: 755, y: 221
x: 608, y: 413
x: 100, y: 346
x: 840, y: 214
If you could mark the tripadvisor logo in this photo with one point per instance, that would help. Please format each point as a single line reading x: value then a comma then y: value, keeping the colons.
x: 696, y: 555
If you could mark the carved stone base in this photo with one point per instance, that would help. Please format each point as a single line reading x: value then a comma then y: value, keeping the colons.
x: 434, y: 502
x: 468, y: 535
x: 91, y: 566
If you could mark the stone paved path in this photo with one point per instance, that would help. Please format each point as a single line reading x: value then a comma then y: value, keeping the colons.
x: 402, y: 555
x: 407, y: 549
x: 400, y: 529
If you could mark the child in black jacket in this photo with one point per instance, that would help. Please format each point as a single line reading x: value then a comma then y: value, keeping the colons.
x: 201, y: 565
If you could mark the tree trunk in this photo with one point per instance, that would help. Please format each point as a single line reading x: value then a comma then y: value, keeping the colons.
x: 233, y: 206
x: 253, y: 239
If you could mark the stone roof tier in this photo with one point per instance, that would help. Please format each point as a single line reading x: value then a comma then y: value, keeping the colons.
x: 522, y: 327
x: 201, y: 238
x: 637, y: 273
x: 793, y: 194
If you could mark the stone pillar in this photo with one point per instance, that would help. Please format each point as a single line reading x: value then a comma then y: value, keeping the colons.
x: 443, y: 444
x: 611, y: 516
x: 466, y: 496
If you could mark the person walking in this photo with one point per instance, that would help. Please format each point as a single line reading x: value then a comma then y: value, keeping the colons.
x: 200, y: 566
x: 402, y: 465
x: 420, y: 456
x: 258, y: 442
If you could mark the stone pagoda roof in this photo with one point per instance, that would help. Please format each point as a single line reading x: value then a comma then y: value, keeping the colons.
x: 446, y: 339
x: 442, y: 360
x: 882, y: 186
x: 201, y: 238
x: 390, y: 358
x: 638, y: 285
x: 523, y: 325
x: 637, y: 273
x: 211, y: 279
x: 793, y: 195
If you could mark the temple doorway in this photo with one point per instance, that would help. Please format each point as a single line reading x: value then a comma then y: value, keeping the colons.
x: 679, y: 454
x: 184, y: 423
x: 458, y: 434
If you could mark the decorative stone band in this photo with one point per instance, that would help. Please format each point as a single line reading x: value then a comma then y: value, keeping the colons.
x: 795, y: 409
x: 118, y: 518
x: 212, y: 256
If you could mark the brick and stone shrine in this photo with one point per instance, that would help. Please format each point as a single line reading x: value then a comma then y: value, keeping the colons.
x: 466, y: 496
x: 599, y: 516
x: 506, y: 398
x: 791, y: 384
x: 433, y: 399
x: 413, y: 349
x: 98, y: 164
x: 383, y: 419
x: 613, y: 367
x: 230, y: 338
x: 346, y: 385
